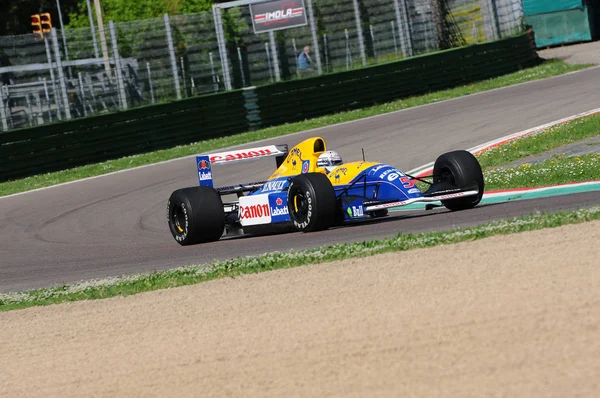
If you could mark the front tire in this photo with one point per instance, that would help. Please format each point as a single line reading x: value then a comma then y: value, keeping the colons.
x: 312, y: 203
x: 196, y: 215
x: 462, y: 170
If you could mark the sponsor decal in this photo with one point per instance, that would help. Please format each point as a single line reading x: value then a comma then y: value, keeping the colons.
x: 254, y: 211
x: 392, y: 171
x: 414, y: 190
x: 392, y: 176
x: 385, y: 173
x: 452, y: 195
x: 279, y: 211
x: 278, y: 14
x: 407, y: 182
x: 204, y: 171
x: 273, y: 186
x: 294, y: 153
x: 375, y: 169
x: 356, y: 211
x: 305, y: 166
x: 203, y: 176
x: 280, y: 208
x: 240, y: 155
x: 338, y: 173
x: 203, y: 165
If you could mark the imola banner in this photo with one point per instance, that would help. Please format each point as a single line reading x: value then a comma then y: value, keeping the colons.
x: 275, y: 15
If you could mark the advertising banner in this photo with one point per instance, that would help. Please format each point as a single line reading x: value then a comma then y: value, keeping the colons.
x: 276, y: 15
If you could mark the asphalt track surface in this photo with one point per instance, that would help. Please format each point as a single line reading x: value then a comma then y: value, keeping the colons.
x: 116, y: 224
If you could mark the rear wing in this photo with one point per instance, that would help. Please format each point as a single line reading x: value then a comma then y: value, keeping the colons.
x: 204, y: 163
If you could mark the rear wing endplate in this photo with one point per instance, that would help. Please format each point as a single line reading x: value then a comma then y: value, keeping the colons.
x: 204, y: 163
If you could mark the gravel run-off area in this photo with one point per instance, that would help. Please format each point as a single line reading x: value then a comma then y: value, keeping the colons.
x: 515, y: 315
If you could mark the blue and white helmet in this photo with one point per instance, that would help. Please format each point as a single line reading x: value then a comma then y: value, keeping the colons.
x: 329, y: 160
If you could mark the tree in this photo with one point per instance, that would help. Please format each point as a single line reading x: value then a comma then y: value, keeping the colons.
x: 15, y: 14
x: 127, y: 10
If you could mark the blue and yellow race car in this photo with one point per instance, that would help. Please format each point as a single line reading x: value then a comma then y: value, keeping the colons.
x: 312, y: 190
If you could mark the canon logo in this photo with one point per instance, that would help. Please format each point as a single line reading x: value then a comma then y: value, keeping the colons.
x: 254, y: 211
x: 240, y: 155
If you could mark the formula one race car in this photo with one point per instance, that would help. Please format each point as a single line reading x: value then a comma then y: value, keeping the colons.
x: 312, y: 191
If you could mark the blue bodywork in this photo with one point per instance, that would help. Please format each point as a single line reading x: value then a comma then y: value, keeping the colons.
x: 379, y: 182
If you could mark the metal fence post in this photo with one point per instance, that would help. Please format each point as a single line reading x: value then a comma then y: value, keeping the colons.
x: 239, y: 53
x: 64, y: 36
x: 274, y: 56
x: 120, y: 83
x: 212, y: 71
x: 172, y: 55
x: 48, y: 98
x: 394, y: 38
x: 296, y: 56
x: 40, y: 111
x: 61, y: 75
x: 222, y: 46
x: 326, y: 51
x: 183, y: 77
x: 150, y: 81
x: 56, y: 101
x: 400, y: 30
x: 93, y: 28
x: 313, y: 32
x: 269, y: 61
x: 373, y: 41
x: 359, y: 32
x: 3, y: 111
x: 348, y: 52
x: 82, y: 90
x: 103, y: 44
x: 405, y: 27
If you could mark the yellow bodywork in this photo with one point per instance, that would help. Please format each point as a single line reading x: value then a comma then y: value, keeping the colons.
x: 344, y: 174
x: 309, y: 150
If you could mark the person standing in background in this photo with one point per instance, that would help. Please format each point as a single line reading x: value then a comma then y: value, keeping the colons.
x: 305, y: 62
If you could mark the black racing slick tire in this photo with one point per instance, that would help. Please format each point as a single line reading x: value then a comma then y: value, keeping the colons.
x: 196, y: 215
x: 462, y: 170
x: 312, y: 203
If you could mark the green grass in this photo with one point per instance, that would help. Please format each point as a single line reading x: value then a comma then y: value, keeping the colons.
x: 551, y: 138
x: 547, y: 69
x: 128, y: 285
x: 553, y: 171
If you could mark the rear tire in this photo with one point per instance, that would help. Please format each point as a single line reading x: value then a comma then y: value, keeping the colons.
x: 461, y: 169
x: 196, y: 215
x: 312, y: 203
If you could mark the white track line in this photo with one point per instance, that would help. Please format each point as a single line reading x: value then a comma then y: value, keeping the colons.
x: 306, y: 131
x: 428, y: 168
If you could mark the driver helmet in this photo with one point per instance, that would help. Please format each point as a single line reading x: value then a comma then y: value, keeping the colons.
x: 329, y: 160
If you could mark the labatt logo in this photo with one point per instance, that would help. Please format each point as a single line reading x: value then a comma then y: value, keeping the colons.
x: 254, y: 211
x: 204, y: 175
x: 279, y: 211
x: 240, y: 155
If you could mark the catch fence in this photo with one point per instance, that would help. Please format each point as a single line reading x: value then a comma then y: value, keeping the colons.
x: 161, y: 59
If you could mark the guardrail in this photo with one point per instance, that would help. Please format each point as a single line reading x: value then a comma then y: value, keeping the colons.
x: 82, y: 141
